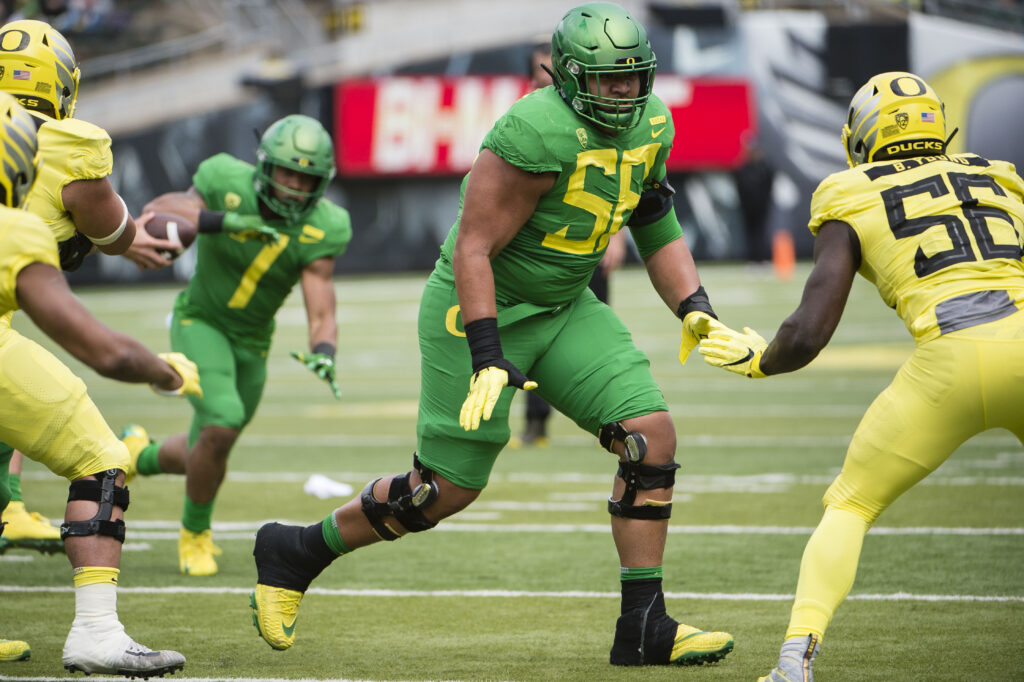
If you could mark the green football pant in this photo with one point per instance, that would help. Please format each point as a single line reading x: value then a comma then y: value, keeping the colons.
x: 581, y: 355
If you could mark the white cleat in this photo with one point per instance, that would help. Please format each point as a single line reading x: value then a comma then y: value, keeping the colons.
x: 82, y: 653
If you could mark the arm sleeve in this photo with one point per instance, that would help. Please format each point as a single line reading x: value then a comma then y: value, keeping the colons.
x: 650, y: 238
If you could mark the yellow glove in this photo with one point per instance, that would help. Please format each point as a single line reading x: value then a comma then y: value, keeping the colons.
x: 485, y: 388
x: 188, y: 372
x: 696, y: 326
x: 735, y: 352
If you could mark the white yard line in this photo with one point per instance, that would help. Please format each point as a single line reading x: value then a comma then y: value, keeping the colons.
x: 528, y: 594
x: 168, y: 530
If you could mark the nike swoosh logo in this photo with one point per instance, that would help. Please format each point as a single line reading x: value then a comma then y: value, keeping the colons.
x: 659, y: 131
x: 288, y: 630
x: 749, y: 356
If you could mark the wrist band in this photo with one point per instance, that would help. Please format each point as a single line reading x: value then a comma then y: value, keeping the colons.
x: 210, y: 221
x: 325, y: 348
x: 484, y: 342
x: 698, y: 300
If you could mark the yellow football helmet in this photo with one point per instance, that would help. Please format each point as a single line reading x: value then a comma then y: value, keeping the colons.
x: 18, y: 149
x: 38, y: 67
x: 894, y: 115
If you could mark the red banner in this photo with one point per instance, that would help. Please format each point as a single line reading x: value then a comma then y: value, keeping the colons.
x: 432, y: 125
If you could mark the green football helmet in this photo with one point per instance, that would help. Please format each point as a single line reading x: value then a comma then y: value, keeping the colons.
x: 598, y: 39
x: 301, y: 144
x: 38, y: 67
x: 894, y: 115
x: 18, y: 146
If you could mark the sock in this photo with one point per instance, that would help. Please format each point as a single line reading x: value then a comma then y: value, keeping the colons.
x: 197, y: 516
x: 827, y: 571
x: 650, y: 572
x: 148, y: 463
x: 644, y: 633
x: 331, y: 536
x: 639, y: 592
x: 14, y: 483
x: 96, y: 618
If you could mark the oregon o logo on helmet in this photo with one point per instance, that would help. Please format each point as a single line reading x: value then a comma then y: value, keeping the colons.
x: 23, y: 40
x: 896, y: 85
x: 631, y: 60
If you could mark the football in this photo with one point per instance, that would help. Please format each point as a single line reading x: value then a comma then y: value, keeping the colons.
x: 174, y: 228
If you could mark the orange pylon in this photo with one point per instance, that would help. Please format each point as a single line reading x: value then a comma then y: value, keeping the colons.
x: 783, y: 254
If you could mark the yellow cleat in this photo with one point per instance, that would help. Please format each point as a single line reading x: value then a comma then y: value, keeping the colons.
x: 14, y: 650
x: 29, y: 530
x: 696, y: 647
x: 196, y: 552
x: 136, y: 439
x: 274, y: 611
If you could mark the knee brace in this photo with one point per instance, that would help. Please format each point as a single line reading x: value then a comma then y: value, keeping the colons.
x: 403, y: 503
x: 108, y: 495
x: 637, y: 476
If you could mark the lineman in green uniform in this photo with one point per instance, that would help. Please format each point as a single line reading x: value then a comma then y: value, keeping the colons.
x: 561, y: 172
x: 225, y: 317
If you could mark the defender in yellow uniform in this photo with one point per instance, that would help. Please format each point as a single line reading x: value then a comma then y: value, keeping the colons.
x: 45, y: 411
x: 72, y: 194
x: 941, y: 238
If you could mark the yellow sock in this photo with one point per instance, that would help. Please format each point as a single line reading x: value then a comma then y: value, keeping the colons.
x: 96, y: 575
x: 827, y: 570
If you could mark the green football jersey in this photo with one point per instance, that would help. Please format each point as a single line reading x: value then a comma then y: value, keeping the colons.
x: 240, y: 282
x: 600, y: 179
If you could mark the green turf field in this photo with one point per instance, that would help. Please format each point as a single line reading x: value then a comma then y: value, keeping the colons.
x: 524, y: 584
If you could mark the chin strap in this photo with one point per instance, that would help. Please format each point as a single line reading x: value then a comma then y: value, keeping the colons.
x: 951, y: 136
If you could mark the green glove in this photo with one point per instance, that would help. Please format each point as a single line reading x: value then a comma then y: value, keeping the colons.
x: 322, y: 365
x: 250, y: 226
x: 735, y: 352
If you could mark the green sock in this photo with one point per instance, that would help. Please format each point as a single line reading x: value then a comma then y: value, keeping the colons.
x: 14, y: 483
x: 332, y: 536
x: 197, y: 517
x: 149, y: 463
x: 648, y: 573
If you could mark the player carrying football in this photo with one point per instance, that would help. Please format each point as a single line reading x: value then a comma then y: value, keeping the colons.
x: 72, y: 194
x: 564, y: 169
x: 224, y: 319
x: 46, y: 412
x: 940, y: 236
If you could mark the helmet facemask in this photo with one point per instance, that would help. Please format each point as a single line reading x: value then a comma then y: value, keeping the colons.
x: 592, y: 43
x: 301, y: 144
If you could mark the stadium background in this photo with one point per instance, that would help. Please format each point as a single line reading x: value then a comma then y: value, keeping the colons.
x: 524, y: 585
x: 408, y: 87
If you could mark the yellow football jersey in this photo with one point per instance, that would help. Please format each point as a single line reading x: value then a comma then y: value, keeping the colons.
x: 24, y: 239
x: 940, y: 236
x: 70, y: 150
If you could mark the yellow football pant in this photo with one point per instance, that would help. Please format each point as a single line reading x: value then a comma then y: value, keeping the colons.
x: 46, y: 413
x: 950, y: 389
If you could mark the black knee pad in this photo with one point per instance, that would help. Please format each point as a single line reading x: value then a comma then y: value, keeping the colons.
x: 403, y: 503
x: 108, y: 495
x: 637, y: 476
x: 643, y: 477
